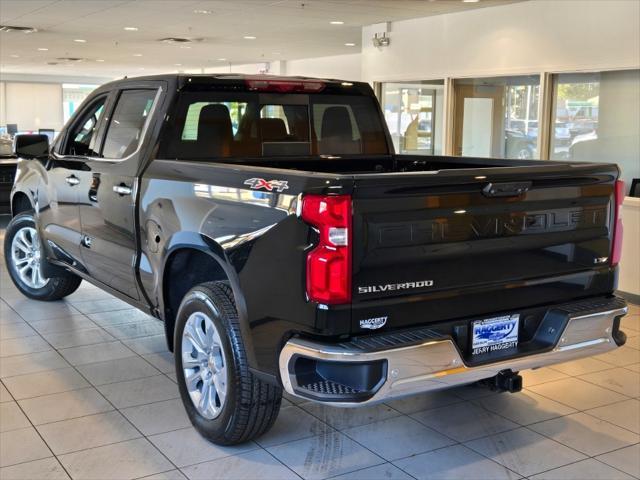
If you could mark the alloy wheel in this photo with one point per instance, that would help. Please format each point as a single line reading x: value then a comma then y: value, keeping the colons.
x: 203, y: 364
x: 26, y: 257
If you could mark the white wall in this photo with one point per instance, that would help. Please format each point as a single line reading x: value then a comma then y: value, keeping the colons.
x: 629, y: 280
x: 342, y: 67
x: 528, y: 37
x: 32, y: 105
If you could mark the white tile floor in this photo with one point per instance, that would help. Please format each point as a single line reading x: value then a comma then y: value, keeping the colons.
x: 87, y: 391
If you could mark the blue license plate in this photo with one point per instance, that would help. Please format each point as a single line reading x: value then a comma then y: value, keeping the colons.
x: 498, y: 333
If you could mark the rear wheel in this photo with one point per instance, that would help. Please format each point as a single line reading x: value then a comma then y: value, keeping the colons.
x: 24, y: 259
x: 225, y: 402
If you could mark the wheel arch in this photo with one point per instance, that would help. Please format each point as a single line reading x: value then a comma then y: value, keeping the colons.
x: 20, y: 203
x: 188, y: 263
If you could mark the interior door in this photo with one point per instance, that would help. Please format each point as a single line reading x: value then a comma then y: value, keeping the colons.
x: 59, y: 212
x: 107, y: 210
x: 479, y: 120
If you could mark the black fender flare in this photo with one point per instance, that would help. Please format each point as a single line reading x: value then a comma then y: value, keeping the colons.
x: 202, y: 243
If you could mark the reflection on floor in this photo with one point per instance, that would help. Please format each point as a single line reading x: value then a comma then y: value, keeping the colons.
x: 88, y: 391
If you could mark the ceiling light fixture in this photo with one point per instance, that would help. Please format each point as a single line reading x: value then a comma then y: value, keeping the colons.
x: 336, y: 22
x: 249, y: 37
x: 131, y: 29
x: 178, y: 64
x: 13, y: 28
x: 349, y: 44
x: 178, y: 40
x: 185, y: 47
x: 222, y: 59
x: 13, y: 55
x: 43, y: 49
x: 470, y: 1
x: 203, y: 12
x: 79, y: 40
x: 137, y: 54
x: 99, y: 60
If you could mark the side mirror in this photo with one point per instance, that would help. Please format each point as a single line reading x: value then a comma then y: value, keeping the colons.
x: 31, y: 146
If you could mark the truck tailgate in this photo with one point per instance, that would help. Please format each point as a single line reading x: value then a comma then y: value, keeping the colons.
x: 434, y: 246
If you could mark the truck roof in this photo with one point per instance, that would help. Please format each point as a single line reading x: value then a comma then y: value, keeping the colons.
x: 213, y: 78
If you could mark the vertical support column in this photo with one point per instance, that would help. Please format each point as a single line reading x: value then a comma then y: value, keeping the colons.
x: 545, y: 115
x: 447, y: 115
x: 377, y: 90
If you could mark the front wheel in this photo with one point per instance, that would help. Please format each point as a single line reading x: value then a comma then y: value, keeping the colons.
x: 225, y: 402
x: 24, y: 258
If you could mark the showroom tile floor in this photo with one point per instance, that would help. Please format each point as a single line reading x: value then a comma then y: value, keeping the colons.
x: 88, y: 391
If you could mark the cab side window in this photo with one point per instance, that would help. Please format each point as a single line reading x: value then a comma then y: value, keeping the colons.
x: 81, y: 140
x: 127, y: 123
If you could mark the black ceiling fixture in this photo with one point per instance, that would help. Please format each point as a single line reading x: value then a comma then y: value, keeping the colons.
x: 13, y: 28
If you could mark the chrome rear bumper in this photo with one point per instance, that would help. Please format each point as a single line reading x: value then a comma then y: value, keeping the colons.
x: 438, y: 364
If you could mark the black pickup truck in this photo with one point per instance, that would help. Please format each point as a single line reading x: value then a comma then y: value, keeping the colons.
x: 268, y: 223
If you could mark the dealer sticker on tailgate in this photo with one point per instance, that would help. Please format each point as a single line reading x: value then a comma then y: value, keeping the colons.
x: 498, y: 333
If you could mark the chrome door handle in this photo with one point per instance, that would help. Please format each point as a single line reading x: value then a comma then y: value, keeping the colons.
x: 72, y: 180
x: 122, y: 189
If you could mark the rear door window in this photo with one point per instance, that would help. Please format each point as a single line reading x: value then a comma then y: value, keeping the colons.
x: 127, y: 123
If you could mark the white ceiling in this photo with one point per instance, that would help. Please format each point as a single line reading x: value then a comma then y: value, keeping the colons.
x: 284, y: 29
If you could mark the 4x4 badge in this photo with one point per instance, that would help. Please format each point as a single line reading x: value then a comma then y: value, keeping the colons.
x: 258, y: 183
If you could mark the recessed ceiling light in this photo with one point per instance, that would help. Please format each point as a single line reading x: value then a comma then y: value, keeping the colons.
x: 178, y: 64
x: 79, y: 40
x: 137, y: 54
x: 222, y: 59
x: 185, y: 47
x: 131, y: 29
x: 470, y: 1
x: 349, y: 44
x: 99, y: 60
x: 336, y: 22
x: 249, y: 37
x: 43, y: 49
x: 13, y: 55
x: 203, y: 12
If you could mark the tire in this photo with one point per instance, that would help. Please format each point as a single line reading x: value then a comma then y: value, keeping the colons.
x: 247, y: 406
x: 19, y: 254
x: 525, y: 153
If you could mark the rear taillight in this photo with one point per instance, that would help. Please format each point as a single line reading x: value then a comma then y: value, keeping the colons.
x: 616, y: 247
x: 329, y: 263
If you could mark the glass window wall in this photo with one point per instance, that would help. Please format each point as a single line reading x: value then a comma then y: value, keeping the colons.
x: 72, y: 96
x: 600, y: 118
x: 413, y: 111
x: 496, y: 117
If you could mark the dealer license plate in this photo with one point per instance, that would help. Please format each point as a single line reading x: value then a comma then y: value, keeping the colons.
x: 498, y: 333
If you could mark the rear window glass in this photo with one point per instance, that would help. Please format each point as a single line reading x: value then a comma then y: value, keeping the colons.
x: 211, y: 125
